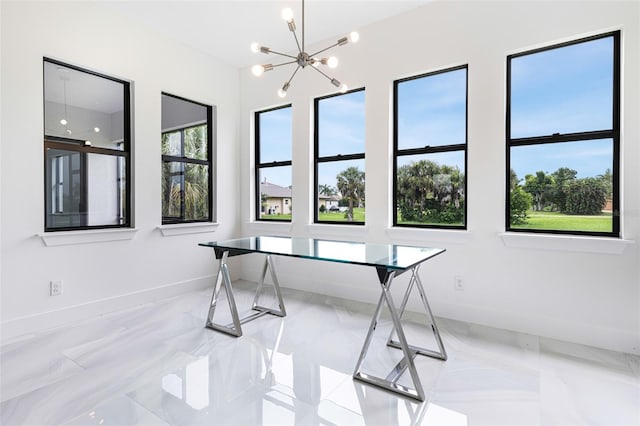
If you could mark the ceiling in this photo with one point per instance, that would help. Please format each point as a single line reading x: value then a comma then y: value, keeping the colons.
x: 225, y: 29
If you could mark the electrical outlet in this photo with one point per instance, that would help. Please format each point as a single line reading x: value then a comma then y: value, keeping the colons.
x: 55, y: 288
x: 458, y: 283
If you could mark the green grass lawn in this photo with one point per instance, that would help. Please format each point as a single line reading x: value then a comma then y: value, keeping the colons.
x: 358, y: 216
x: 276, y: 216
x: 562, y: 222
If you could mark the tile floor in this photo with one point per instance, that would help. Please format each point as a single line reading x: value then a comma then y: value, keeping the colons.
x: 157, y: 365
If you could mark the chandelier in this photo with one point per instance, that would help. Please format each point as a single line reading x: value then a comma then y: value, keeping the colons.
x: 302, y: 59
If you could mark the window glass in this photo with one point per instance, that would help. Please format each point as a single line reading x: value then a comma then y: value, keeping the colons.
x: 430, y: 189
x: 562, y: 155
x: 430, y: 149
x: 432, y: 110
x: 186, y: 160
x: 341, y: 191
x: 273, y: 164
x: 86, y: 139
x: 275, y: 135
x: 82, y: 106
x: 339, y: 158
x: 341, y: 124
x: 563, y: 90
x: 275, y: 193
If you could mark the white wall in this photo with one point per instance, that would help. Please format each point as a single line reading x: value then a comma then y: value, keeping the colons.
x: 103, y: 276
x: 574, y: 289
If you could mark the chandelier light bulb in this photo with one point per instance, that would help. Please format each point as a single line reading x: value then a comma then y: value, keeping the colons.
x: 257, y: 70
x: 332, y: 62
x: 96, y: 129
x: 354, y: 37
x: 283, y: 91
x: 63, y: 122
x: 344, y: 88
x: 287, y: 14
x: 255, y: 47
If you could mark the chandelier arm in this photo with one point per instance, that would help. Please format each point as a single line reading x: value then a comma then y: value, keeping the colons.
x: 325, y: 49
x: 283, y: 54
x: 297, y: 42
x: 284, y: 63
x: 320, y: 71
x: 293, y: 75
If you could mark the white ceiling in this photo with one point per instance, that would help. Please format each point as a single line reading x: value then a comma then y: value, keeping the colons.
x: 225, y: 29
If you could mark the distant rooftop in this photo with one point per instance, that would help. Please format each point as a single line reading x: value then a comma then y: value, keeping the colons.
x: 275, y: 191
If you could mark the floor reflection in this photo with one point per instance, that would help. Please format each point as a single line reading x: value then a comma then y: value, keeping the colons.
x: 157, y: 365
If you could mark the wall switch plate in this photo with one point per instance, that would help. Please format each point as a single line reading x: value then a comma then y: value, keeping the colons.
x: 458, y: 283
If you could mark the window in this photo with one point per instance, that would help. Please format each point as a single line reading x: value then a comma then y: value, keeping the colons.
x: 87, y: 149
x: 430, y: 150
x: 273, y: 164
x: 563, y: 137
x: 187, y: 178
x: 339, y: 158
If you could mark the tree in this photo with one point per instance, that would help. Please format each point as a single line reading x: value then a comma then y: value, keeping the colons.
x: 327, y: 190
x: 540, y: 187
x: 607, y: 181
x: 562, y: 179
x: 350, y: 183
x: 513, y: 179
x: 429, y: 192
x: 586, y: 197
x: 520, y: 204
x: 414, y: 187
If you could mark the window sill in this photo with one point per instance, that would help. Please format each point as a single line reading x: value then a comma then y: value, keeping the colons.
x: 187, y: 228
x: 259, y: 227
x: 566, y: 243
x: 452, y: 236
x: 344, y: 231
x: 53, y: 239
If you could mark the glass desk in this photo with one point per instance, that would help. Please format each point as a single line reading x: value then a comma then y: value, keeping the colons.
x: 390, y: 260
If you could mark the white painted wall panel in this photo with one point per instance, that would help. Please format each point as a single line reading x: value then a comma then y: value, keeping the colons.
x: 567, y: 289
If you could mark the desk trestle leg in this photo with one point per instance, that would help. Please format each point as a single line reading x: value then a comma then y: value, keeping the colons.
x: 224, y: 279
x: 442, y: 354
x: 390, y: 382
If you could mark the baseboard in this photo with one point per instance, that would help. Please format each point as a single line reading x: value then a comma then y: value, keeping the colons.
x: 618, y: 340
x: 16, y: 327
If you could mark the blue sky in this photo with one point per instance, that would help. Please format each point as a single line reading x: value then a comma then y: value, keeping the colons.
x: 555, y: 91
x: 563, y: 90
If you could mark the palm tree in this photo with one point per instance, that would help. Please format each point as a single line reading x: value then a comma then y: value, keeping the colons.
x: 327, y: 190
x: 350, y: 183
x: 194, y: 179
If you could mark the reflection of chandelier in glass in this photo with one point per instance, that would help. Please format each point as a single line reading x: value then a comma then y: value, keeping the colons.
x: 303, y: 58
x: 64, y: 79
x: 64, y: 120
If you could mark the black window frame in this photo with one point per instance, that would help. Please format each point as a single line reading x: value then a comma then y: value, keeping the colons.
x: 327, y: 159
x: 430, y: 149
x: 613, y: 134
x: 169, y: 220
x: 259, y: 166
x: 76, y: 145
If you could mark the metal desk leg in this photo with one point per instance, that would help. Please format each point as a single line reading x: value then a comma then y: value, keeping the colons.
x: 391, y: 381
x: 268, y: 264
x: 223, y: 278
x: 415, y: 279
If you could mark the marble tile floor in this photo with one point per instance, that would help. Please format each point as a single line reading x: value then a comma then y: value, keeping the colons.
x: 156, y: 364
